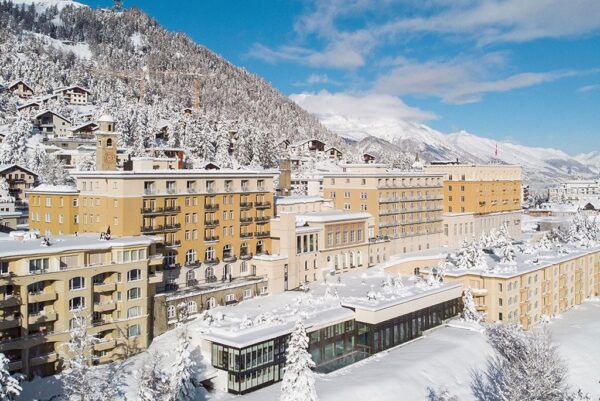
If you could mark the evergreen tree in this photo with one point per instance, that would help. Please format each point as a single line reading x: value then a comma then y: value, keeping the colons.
x: 9, y: 384
x: 14, y: 147
x: 154, y: 382
x: 298, y: 378
x: 470, y: 312
x: 182, y: 387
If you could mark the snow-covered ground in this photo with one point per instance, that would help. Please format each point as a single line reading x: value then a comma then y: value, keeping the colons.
x: 445, y: 357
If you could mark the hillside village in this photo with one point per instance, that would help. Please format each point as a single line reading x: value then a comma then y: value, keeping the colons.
x: 142, y: 213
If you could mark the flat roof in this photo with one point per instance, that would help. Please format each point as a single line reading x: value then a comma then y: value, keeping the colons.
x: 170, y: 173
x: 62, y: 189
x: 331, y: 215
x: 11, y: 247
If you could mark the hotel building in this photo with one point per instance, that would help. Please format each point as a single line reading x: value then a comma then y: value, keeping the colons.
x: 478, y: 198
x: 406, y: 206
x: 42, y: 285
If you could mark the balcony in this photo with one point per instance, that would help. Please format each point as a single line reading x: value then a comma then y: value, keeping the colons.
x: 246, y: 256
x: 262, y: 205
x: 245, y: 220
x: 212, y: 261
x: 105, y: 287
x: 42, y: 359
x: 246, y: 235
x: 9, y: 323
x: 229, y: 258
x: 192, y: 264
x: 245, y: 205
x: 160, y: 210
x: 42, y: 297
x: 172, y: 244
x: 263, y: 234
x: 262, y: 219
x: 389, y: 200
x: 160, y: 229
x: 212, y: 238
x: 15, y: 365
x: 105, y: 306
x: 10, y: 302
x: 104, y: 345
x: 156, y: 260
x: 211, y: 223
x: 155, y: 278
x: 211, y: 206
x: 42, y: 317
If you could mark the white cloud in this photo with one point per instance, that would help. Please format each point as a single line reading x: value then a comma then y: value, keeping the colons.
x: 589, y: 88
x: 361, y: 106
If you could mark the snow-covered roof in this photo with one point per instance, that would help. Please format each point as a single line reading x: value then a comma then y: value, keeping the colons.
x: 66, y: 88
x: 303, y: 141
x: 46, y: 188
x: 83, y: 125
x: 172, y: 173
x: 106, y: 118
x: 19, y: 81
x: 28, y: 104
x: 41, y: 113
x: 331, y: 215
x: 66, y: 243
x: 4, y: 167
x: 292, y: 200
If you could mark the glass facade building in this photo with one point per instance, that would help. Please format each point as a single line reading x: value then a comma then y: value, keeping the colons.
x: 332, y: 347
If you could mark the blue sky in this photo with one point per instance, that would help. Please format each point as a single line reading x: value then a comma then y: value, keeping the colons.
x: 523, y: 70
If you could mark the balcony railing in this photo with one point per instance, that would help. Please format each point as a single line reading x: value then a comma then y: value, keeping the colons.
x: 211, y: 206
x: 263, y: 205
x: 173, y: 244
x: 261, y: 219
x: 245, y: 220
x: 246, y: 235
x: 211, y: 238
x: 263, y: 234
x: 245, y: 205
x: 246, y: 256
x: 212, y: 261
x: 160, y: 210
x: 211, y: 223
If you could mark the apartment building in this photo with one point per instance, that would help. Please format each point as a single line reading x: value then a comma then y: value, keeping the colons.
x: 21, y: 89
x: 18, y: 178
x: 406, y: 206
x: 536, y: 287
x: 575, y: 191
x: 478, y: 198
x: 75, y: 95
x: 43, y: 284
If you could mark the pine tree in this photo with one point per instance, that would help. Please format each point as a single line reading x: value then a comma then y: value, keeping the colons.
x: 508, y: 253
x: 14, y: 147
x: 440, y: 395
x: 154, y: 382
x: 298, y: 378
x: 181, y: 385
x: 9, y: 384
x: 470, y: 313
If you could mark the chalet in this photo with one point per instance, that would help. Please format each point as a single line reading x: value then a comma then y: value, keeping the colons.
x: 163, y: 131
x: 75, y: 95
x: 29, y: 107
x: 211, y: 166
x: 333, y: 153
x: 368, y: 158
x: 312, y: 145
x: 21, y: 89
x: 187, y: 110
x: 283, y: 145
x: 51, y: 123
x: 171, y: 153
x: 19, y: 179
x: 85, y: 130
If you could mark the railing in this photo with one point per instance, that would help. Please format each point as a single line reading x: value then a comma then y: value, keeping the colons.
x: 262, y: 205
x: 192, y: 264
x: 211, y: 223
x: 259, y: 219
x: 263, y: 234
x: 246, y: 256
x: 245, y: 205
x: 246, y: 235
x: 212, y: 261
x: 172, y: 244
x: 211, y: 206
x: 159, y: 210
x: 211, y: 238
x: 245, y: 220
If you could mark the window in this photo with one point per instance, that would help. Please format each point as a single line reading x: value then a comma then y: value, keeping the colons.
x: 76, y: 303
x: 48, y: 202
x: 134, y: 311
x: 134, y: 293
x: 247, y: 293
x: 209, y: 254
x: 76, y: 283
x: 38, y: 265
x: 244, y: 267
x: 190, y: 256
x: 190, y: 277
x: 171, y: 312
x: 230, y: 298
x: 192, y: 307
x: 134, y: 330
x: 134, y: 275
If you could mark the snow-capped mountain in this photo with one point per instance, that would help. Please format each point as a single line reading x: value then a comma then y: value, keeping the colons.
x: 542, y: 166
x: 591, y: 159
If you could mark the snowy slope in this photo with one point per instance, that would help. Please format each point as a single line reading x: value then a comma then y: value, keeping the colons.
x: 591, y: 159
x: 41, y: 5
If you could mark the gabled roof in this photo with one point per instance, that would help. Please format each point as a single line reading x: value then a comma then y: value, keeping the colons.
x: 80, y: 126
x: 28, y: 104
x: 18, y: 81
x: 41, y: 113
x: 66, y: 88
x: 303, y: 141
x: 332, y: 147
x: 4, y: 167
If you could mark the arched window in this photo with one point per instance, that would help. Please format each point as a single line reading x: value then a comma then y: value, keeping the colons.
x: 76, y: 283
x: 190, y: 276
x: 109, y: 143
x: 192, y: 307
x: 227, y: 251
x: 209, y: 272
x: 358, y: 258
x: 134, y: 275
x: 76, y: 303
x: 36, y: 288
x: 352, y: 261
x: 259, y: 247
x: 211, y: 303
x: 134, y: 293
x: 171, y: 312
x: 190, y: 256
x: 134, y: 311
x: 244, y: 249
x: 209, y: 254
x: 170, y: 258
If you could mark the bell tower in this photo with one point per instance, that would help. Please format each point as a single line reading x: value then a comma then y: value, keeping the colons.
x: 106, y: 144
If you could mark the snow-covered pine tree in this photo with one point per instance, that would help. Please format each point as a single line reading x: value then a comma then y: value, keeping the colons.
x: 14, y: 147
x: 440, y: 395
x: 507, y: 252
x: 154, y: 382
x: 298, y: 379
x: 9, y: 384
x: 525, y: 366
x: 470, y: 313
x: 463, y: 260
x: 181, y: 383
x: 87, y: 162
x: 80, y: 380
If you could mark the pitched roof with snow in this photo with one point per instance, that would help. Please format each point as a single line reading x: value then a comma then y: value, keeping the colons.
x: 46, y: 188
x: 66, y: 88
x: 4, y: 167
x: 41, y: 113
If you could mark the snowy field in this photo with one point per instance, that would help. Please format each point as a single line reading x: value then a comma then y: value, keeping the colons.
x: 445, y: 357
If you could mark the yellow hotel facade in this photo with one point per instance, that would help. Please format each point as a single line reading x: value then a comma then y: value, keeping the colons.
x: 43, y: 286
